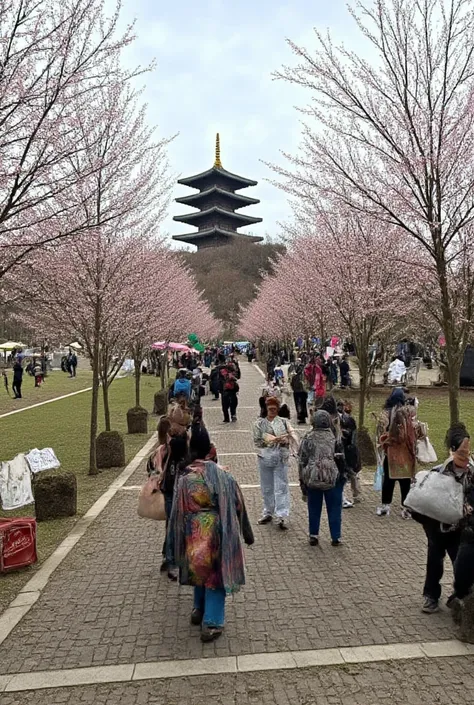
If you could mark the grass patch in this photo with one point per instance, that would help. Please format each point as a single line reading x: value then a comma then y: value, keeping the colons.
x: 56, y: 384
x: 64, y: 426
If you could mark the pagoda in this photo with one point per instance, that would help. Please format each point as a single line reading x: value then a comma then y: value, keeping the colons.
x: 217, y: 202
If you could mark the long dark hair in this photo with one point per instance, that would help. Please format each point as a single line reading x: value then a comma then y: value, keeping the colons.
x: 455, y: 435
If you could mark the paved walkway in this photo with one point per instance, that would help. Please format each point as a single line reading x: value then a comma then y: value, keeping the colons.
x: 110, y: 623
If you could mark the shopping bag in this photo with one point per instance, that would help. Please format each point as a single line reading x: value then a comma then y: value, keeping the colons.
x: 17, y: 543
x: 378, y: 478
x: 151, y: 501
x: 425, y: 453
x: 437, y: 496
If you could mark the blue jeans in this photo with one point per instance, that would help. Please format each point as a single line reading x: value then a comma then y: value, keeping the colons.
x: 212, y: 604
x: 275, y: 490
x: 333, y: 499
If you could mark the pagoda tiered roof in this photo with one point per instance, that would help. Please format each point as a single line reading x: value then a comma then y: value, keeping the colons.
x: 217, y: 203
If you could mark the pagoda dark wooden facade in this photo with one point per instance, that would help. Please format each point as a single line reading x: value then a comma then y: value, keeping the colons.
x: 217, y: 202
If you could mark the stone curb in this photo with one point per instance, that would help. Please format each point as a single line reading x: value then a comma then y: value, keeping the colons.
x: 248, y: 663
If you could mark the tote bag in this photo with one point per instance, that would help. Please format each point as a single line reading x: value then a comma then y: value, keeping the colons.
x: 151, y: 501
x: 437, y: 496
x: 425, y: 453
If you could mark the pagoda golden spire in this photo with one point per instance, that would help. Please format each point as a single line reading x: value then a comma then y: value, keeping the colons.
x: 218, y: 163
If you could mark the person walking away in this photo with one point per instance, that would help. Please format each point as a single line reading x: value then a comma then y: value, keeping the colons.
x: 322, y: 476
x: 396, y: 438
x: 351, y: 452
x: 300, y: 395
x: 345, y: 372
x: 444, y: 538
x: 181, y: 386
x: 214, y: 382
x: 38, y: 372
x: 175, y: 453
x: 271, y: 364
x: 272, y: 437
x: 207, y: 519
x: 17, y: 378
x: 73, y: 364
x: 229, y: 397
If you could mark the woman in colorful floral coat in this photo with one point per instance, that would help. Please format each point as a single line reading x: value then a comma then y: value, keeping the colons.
x: 207, y: 519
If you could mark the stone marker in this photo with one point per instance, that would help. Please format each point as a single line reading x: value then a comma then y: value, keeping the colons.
x: 55, y: 496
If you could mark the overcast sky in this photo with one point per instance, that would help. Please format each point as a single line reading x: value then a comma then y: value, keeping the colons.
x: 214, y: 64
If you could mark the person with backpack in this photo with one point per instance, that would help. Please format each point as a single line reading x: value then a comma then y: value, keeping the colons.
x: 181, y: 386
x: 272, y: 436
x: 321, y: 470
x: 230, y: 390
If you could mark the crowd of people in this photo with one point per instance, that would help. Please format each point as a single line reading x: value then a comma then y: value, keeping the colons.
x: 206, y: 515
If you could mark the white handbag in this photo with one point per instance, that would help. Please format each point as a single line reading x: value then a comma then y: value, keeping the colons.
x: 437, y: 496
x: 425, y: 453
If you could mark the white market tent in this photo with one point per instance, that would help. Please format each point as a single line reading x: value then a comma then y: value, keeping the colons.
x: 9, y: 345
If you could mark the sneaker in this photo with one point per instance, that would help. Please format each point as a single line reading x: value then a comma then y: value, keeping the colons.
x: 282, y: 526
x: 405, y: 514
x: 383, y: 510
x: 357, y: 500
x: 347, y: 504
x: 226, y: 421
x: 336, y: 542
x: 430, y: 606
x: 450, y: 600
x: 234, y: 419
x: 210, y: 634
x: 266, y: 519
x: 313, y: 540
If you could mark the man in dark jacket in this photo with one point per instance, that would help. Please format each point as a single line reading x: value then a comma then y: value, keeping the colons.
x: 300, y: 395
x: 17, y: 378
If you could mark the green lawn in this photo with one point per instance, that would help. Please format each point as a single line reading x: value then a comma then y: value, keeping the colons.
x: 56, y: 384
x: 64, y: 426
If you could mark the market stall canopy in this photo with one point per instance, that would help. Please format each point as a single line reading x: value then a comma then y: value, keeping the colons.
x: 175, y: 347
x: 9, y: 345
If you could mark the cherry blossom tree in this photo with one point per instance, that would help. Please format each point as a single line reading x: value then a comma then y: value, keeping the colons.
x: 391, y: 136
x: 56, y: 59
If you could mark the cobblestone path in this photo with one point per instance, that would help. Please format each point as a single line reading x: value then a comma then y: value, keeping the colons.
x: 107, y: 605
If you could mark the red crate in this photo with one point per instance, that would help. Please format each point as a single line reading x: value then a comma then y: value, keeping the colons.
x: 17, y: 543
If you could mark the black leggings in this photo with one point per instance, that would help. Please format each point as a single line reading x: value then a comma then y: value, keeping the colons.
x: 388, y: 485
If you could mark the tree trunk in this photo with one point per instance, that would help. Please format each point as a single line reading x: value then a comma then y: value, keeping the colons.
x: 453, y: 372
x: 95, y: 392
x: 105, y: 395
x: 138, y: 376
x: 362, y: 392
x: 453, y: 354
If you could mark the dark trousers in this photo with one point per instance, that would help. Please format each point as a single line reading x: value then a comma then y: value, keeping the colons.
x: 388, y: 485
x: 229, y: 404
x: 464, y: 570
x: 16, y: 387
x: 168, y: 507
x: 439, y: 543
x: 301, y: 404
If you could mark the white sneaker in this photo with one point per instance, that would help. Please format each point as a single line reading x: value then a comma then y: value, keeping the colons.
x: 383, y: 510
x: 347, y: 504
x: 406, y: 514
